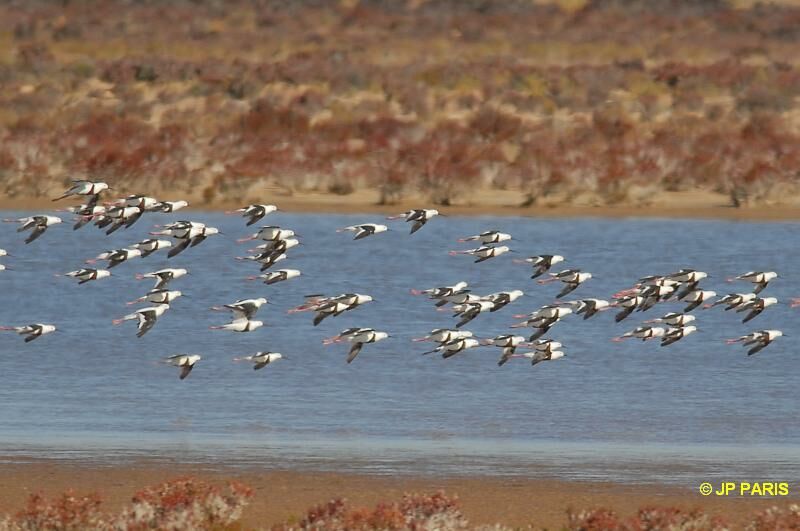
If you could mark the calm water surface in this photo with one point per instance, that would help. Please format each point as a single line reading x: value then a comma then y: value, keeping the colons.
x: 634, y: 412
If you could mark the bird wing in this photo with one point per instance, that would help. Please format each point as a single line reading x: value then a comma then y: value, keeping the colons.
x: 185, y: 370
x: 417, y: 225
x: 134, y: 218
x: 364, y: 231
x: 197, y: 240
x: 147, y: 319
x: 38, y: 231
x: 178, y: 248
x: 354, y: 350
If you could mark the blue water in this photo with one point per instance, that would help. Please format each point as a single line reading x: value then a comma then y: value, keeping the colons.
x: 631, y: 412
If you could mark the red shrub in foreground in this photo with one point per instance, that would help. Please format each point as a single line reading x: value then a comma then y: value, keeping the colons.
x: 413, y: 512
x: 176, y: 505
x: 65, y: 513
x: 647, y: 519
x: 776, y: 518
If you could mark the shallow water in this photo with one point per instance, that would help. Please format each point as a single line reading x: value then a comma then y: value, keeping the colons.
x: 698, y: 409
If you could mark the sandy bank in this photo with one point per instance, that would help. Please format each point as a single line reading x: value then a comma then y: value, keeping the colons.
x: 699, y: 205
x: 280, y: 495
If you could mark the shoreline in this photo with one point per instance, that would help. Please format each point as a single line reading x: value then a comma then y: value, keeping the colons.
x: 677, y: 205
x: 281, y: 495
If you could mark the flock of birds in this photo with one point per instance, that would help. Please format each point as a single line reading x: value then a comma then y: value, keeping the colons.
x: 647, y: 292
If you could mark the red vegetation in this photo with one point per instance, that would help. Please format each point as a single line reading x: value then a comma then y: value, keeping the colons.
x: 440, y: 98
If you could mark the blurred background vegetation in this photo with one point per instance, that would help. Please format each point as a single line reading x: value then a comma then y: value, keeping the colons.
x: 579, y: 102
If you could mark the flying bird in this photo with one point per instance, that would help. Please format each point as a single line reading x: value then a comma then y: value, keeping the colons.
x: 276, y: 276
x: 759, y: 339
x: 676, y: 334
x: 31, y: 331
x: 163, y: 276
x: 83, y: 187
x: 362, y: 231
x: 572, y: 278
x: 484, y: 253
x: 262, y: 359
x: 185, y: 362
x: 88, y: 274
x: 239, y: 325
x: 254, y: 213
x: 151, y: 245
x: 39, y: 224
x: 146, y: 318
x: 359, y: 338
x: 542, y: 263
x: 759, y: 278
x: 419, y: 217
x: 487, y: 237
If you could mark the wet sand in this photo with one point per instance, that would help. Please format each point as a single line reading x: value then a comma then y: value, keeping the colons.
x: 281, y: 495
x: 678, y: 205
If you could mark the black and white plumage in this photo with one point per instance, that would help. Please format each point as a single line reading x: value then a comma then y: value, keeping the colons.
x: 732, y: 300
x: 151, y: 245
x: 31, y: 331
x: 538, y: 356
x: 644, y: 333
x: 470, y: 310
x: 39, y: 224
x: 279, y: 275
x: 487, y: 237
x: 444, y: 335
x: 158, y: 296
x: 509, y: 344
x: 484, y: 253
x: 86, y: 213
x: 451, y: 348
x: 163, y: 276
x: 88, y: 274
x: 419, y: 217
x: 501, y: 299
x: 254, y: 213
x: 674, y: 319
x: 364, y: 230
x: 338, y: 305
x: 542, y: 263
x: 628, y: 305
x: 755, y: 307
x: 142, y: 202
x: 759, y: 340
x: 262, y: 359
x: 243, y: 308
x: 759, y: 278
x: 269, y: 232
x: 276, y: 246
x: 146, y: 318
x: 572, y: 278
x: 358, y: 337
x: 118, y: 216
x: 676, y: 334
x: 84, y: 187
x: 239, y: 325
x: 696, y: 298
x: 185, y: 362
x: 590, y: 307
x: 168, y: 207
x: 442, y: 291
x: 194, y: 236
x: 116, y: 256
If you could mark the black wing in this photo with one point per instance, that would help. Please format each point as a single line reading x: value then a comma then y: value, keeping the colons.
x: 354, y: 350
x: 38, y: 231
x: 177, y: 249
x: 185, y: 370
